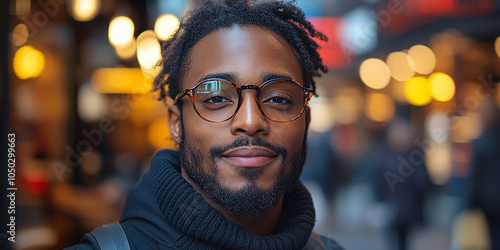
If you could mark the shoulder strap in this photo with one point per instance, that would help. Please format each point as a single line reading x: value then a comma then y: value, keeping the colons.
x: 111, y: 237
x: 314, y: 242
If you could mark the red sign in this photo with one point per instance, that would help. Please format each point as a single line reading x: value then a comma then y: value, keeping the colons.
x: 334, y: 53
x: 451, y: 7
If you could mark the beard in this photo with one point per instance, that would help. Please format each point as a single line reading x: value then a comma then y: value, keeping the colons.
x: 249, y: 200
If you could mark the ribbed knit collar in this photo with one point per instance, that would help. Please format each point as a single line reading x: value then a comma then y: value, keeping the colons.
x: 206, y: 228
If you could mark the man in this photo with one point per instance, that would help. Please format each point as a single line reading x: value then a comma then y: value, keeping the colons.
x: 240, y: 75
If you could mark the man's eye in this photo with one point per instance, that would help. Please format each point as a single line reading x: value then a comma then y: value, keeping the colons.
x: 217, y: 99
x: 278, y: 100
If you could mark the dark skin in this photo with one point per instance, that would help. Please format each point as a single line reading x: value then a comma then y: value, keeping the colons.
x: 249, y: 55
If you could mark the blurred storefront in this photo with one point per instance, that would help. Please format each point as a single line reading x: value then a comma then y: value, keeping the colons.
x: 414, y: 75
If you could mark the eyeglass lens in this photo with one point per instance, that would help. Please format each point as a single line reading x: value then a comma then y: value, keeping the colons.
x: 279, y: 100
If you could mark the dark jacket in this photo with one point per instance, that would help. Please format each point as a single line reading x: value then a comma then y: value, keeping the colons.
x: 483, y: 190
x: 163, y: 211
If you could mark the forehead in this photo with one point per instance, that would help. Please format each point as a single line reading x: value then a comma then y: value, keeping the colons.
x: 248, y: 53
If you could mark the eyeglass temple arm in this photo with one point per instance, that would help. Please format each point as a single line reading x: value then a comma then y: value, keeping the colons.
x: 181, y: 95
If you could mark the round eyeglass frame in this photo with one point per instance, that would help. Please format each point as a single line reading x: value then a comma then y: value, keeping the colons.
x: 190, y: 92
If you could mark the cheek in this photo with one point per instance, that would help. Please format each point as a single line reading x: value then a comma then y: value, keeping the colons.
x: 290, y: 135
x: 199, y: 133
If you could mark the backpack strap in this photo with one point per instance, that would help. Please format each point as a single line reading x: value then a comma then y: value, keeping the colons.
x: 111, y: 237
x: 314, y: 242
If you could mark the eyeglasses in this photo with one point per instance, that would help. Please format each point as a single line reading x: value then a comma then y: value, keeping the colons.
x: 217, y: 100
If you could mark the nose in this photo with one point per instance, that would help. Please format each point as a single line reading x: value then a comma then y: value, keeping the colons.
x: 249, y: 119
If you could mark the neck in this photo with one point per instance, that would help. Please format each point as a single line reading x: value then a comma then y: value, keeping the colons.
x: 263, y: 224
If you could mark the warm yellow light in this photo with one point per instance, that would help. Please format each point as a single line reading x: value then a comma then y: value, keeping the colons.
x: 379, y: 107
x: 20, y: 34
x: 22, y: 8
x: 28, y: 62
x: 497, y: 46
x: 466, y: 128
x: 497, y: 91
x: 126, y: 51
x: 91, y: 105
x: 441, y: 86
x: 322, y: 115
x: 375, y: 73
x: 121, y: 81
x: 417, y: 92
x: 85, y: 10
x: 438, y: 159
x: 401, y: 65
x: 148, y: 52
x: 158, y: 134
x: 165, y: 26
x: 424, y: 59
x: 348, y: 104
x: 121, y: 31
x: 398, y: 92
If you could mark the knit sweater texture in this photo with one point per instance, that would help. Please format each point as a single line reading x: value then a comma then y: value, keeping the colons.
x: 205, y: 227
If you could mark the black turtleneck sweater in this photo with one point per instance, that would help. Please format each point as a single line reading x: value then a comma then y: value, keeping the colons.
x: 163, y: 211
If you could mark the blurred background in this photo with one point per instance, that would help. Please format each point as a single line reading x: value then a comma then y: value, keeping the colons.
x: 404, y: 140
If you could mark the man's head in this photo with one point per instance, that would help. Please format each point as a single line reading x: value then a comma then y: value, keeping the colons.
x: 247, y: 162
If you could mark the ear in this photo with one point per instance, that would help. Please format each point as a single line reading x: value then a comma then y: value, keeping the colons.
x: 174, y: 122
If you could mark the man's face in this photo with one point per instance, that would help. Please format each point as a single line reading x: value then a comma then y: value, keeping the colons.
x: 247, y: 162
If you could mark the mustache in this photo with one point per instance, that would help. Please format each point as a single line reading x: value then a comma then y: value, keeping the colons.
x: 217, y: 150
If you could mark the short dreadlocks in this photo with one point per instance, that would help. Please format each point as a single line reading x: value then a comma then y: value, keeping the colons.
x: 283, y: 18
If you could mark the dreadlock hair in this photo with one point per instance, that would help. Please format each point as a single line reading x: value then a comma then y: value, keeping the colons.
x: 283, y: 18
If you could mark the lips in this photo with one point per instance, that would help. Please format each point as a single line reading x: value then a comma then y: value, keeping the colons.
x: 249, y: 156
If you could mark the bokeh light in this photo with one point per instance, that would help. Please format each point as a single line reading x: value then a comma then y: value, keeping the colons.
x: 121, y: 31
x: 20, y: 34
x: 379, y: 107
x: 148, y: 52
x: 424, y: 59
x: 120, y: 81
x: 165, y: 26
x: 375, y: 73
x: 417, y: 92
x: 22, y: 8
x: 322, y: 115
x: 497, y: 46
x: 438, y: 159
x: 92, y: 105
x: 126, y: 51
x: 348, y: 104
x: 442, y: 87
x: 25, y: 103
x: 28, y: 62
x: 466, y: 128
x: 401, y: 66
x: 84, y: 10
x: 437, y: 125
x: 398, y: 92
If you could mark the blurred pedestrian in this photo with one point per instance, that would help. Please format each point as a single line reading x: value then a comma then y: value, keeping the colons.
x: 401, y: 182
x: 483, y: 184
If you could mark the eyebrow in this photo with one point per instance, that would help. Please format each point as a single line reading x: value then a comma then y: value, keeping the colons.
x: 270, y: 76
x: 231, y: 77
